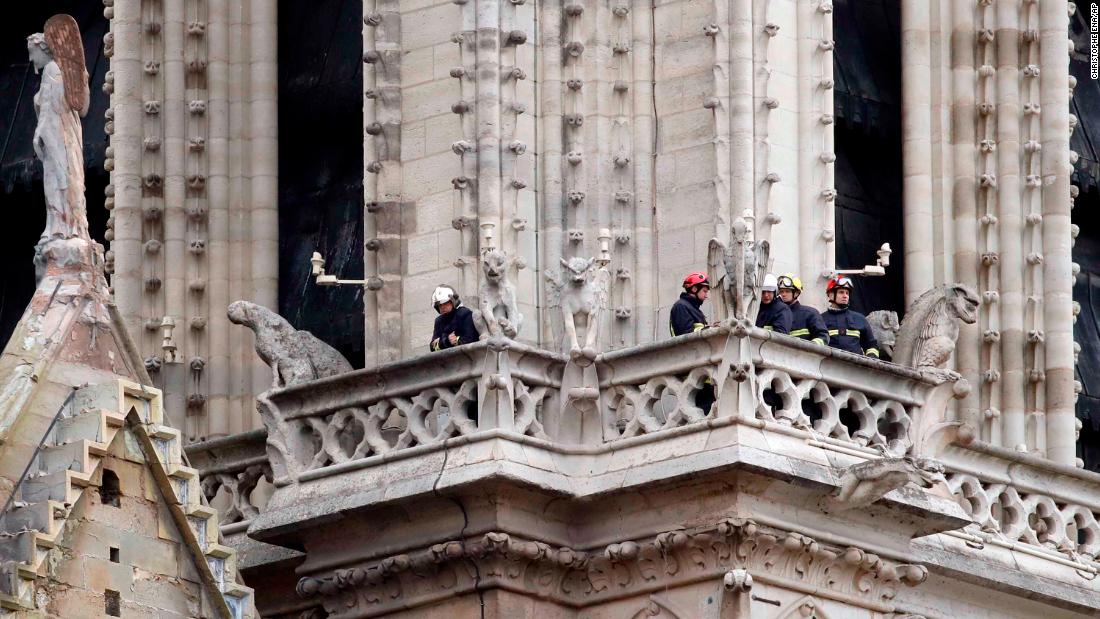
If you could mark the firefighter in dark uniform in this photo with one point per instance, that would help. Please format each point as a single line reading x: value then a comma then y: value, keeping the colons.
x: 774, y: 315
x: 685, y: 316
x: 454, y: 326
x: 848, y: 330
x: 806, y: 322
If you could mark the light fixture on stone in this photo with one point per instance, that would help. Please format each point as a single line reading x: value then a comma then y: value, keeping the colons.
x: 879, y: 268
x: 324, y: 279
x: 167, y: 344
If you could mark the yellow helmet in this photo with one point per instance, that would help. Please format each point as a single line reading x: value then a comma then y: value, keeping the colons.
x: 790, y: 280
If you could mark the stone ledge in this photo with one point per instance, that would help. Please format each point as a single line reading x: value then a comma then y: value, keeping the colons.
x: 583, y: 474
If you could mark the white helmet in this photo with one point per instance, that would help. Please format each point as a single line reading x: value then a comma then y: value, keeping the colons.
x: 444, y: 294
x: 770, y: 283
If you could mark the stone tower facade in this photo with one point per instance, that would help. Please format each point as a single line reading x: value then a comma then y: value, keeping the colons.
x: 639, y: 135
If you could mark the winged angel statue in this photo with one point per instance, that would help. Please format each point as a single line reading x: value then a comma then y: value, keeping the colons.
x: 57, y: 54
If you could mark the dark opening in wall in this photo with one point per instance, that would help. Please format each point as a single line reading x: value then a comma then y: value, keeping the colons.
x: 321, y: 168
x: 21, y: 199
x: 866, y: 96
x: 112, y: 603
x: 109, y: 491
x: 1086, y: 251
x: 114, y: 554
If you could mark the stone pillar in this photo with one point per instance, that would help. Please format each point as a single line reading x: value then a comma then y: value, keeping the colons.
x: 194, y: 184
x: 1058, y: 267
x: 916, y: 120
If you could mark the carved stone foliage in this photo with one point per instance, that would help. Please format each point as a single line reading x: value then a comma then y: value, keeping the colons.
x: 1002, y: 511
x: 580, y: 578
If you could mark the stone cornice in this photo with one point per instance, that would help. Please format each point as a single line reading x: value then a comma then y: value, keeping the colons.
x: 578, y: 578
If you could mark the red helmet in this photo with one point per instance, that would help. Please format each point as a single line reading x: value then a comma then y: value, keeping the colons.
x: 838, y: 281
x: 696, y: 279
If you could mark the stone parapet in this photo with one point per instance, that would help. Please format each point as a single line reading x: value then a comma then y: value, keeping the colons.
x: 478, y: 469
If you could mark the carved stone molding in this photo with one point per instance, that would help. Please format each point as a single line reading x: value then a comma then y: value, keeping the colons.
x: 584, y: 578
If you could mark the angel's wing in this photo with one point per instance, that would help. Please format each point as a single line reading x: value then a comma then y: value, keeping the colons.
x: 553, y: 290
x: 717, y: 274
x: 602, y: 279
x: 63, y: 36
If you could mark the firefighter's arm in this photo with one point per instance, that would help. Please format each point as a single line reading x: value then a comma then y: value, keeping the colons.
x: 867, y: 340
x: 818, y: 329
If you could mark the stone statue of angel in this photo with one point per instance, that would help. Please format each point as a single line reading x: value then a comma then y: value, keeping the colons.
x: 57, y: 54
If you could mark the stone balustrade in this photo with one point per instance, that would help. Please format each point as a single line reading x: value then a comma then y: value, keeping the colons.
x: 507, y: 386
x: 630, y: 401
x: 1018, y: 501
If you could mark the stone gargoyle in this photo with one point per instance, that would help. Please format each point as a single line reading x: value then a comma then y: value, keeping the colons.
x: 497, y: 315
x: 927, y: 336
x: 866, y: 482
x: 294, y: 356
x: 885, y: 325
x: 580, y: 293
x: 737, y: 272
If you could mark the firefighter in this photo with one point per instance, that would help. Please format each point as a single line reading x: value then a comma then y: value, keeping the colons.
x: 686, y: 317
x: 806, y: 322
x: 848, y: 329
x: 454, y: 326
x: 774, y: 315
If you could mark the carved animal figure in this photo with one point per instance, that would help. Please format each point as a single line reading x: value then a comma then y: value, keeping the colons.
x: 580, y: 294
x: 864, y: 483
x: 498, y: 313
x: 928, y: 334
x: 743, y: 265
x: 294, y: 356
x: 885, y: 325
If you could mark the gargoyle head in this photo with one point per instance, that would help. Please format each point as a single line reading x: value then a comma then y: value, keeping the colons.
x: 575, y: 270
x: 242, y: 313
x: 929, y: 472
x: 494, y: 264
x: 963, y: 302
x: 885, y: 326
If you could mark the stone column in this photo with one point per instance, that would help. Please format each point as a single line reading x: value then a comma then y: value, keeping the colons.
x: 1057, y: 269
x: 964, y: 194
x: 916, y: 120
x: 195, y: 191
x: 1009, y: 227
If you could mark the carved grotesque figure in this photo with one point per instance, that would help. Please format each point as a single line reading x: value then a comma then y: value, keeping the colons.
x: 294, y: 356
x: 885, y: 325
x: 580, y: 294
x: 498, y: 313
x: 738, y: 271
x: 928, y: 334
x: 864, y: 483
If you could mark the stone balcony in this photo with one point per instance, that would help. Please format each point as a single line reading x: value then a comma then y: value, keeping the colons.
x: 499, y: 474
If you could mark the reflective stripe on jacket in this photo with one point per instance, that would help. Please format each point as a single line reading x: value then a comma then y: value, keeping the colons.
x: 774, y: 316
x: 685, y: 315
x: 850, y: 331
x: 806, y: 323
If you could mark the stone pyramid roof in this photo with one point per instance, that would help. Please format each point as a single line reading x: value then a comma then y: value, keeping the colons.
x: 73, y: 394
